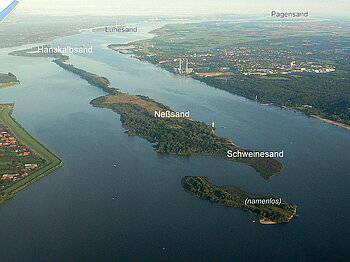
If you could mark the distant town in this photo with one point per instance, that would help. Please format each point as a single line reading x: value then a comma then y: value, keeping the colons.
x: 245, y: 60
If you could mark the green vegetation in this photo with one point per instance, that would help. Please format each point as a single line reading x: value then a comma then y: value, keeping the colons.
x: 326, y: 95
x: 60, y: 60
x: 33, y: 52
x: 8, y: 80
x: 208, y: 36
x: 46, y: 160
x: 46, y: 28
x: 255, y: 60
x: 181, y: 136
x: 233, y: 196
x: 91, y: 78
x: 184, y: 136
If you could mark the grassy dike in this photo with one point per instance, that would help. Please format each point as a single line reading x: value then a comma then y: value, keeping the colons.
x: 52, y: 161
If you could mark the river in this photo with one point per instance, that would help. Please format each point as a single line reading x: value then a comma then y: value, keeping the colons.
x: 90, y: 211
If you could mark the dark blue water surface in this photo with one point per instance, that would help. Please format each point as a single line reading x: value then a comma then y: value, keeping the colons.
x: 70, y: 215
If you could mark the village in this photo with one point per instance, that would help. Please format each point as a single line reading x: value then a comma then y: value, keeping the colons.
x: 16, y: 161
x: 241, y: 59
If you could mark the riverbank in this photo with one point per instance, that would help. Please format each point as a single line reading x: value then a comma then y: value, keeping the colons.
x: 211, y: 83
x: 332, y: 122
x: 52, y: 162
x: 3, y: 85
x: 305, y: 90
x: 47, y: 28
x: 317, y: 117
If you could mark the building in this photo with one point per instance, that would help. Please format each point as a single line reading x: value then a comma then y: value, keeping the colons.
x: 183, y: 68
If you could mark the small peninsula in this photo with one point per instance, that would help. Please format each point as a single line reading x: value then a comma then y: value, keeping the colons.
x: 7, y: 80
x: 233, y: 196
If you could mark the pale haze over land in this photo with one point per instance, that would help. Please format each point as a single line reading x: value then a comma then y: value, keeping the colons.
x: 185, y: 7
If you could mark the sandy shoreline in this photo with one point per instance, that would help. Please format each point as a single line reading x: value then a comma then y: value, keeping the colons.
x: 320, y: 118
x: 266, y: 222
x: 332, y: 122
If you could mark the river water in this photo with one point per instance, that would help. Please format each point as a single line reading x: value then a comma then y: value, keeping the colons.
x: 89, y: 211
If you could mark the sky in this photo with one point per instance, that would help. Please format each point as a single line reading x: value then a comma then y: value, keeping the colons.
x: 184, y: 7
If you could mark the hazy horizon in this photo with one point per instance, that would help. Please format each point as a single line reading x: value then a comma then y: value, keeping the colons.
x: 184, y: 7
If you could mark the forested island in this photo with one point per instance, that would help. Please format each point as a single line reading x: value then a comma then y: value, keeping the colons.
x: 180, y: 136
x: 61, y: 59
x: 91, y: 78
x: 233, y: 196
x: 8, y: 79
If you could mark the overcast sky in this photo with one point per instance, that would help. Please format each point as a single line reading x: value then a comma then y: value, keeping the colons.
x: 184, y: 7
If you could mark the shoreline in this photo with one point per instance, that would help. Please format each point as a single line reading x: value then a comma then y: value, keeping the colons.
x: 265, y: 221
x: 9, y: 84
x: 331, y: 122
x: 49, y: 39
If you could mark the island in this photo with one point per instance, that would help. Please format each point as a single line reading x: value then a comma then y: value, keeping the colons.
x: 23, y: 160
x: 8, y: 79
x: 91, y: 78
x: 265, y: 208
x: 180, y: 136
